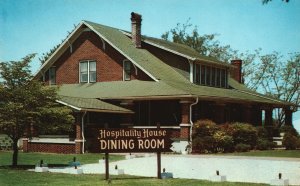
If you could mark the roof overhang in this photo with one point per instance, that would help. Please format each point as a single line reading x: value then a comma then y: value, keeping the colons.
x: 92, y: 105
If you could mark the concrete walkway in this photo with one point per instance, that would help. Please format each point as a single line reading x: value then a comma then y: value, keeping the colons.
x: 235, y: 168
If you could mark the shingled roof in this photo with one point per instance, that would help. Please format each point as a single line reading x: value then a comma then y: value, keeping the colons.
x: 89, y: 104
x: 167, y: 82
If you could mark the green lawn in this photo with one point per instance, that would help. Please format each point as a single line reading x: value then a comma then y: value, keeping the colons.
x: 21, y: 177
x: 57, y: 159
x: 10, y: 176
x: 269, y: 153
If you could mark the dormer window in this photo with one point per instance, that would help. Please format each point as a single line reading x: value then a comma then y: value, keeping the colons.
x: 210, y: 76
x: 87, y: 71
x: 126, y: 70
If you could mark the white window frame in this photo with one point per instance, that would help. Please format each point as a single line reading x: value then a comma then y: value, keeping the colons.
x: 88, y: 71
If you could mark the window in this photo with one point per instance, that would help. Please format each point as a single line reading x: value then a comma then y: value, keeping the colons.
x: 87, y: 71
x: 126, y: 70
x: 210, y: 76
x: 197, y: 73
x: 52, y: 76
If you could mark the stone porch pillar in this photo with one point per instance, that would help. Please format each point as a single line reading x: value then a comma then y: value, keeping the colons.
x: 26, y: 137
x: 288, y: 116
x: 25, y: 145
x: 185, y: 124
x: 78, y: 139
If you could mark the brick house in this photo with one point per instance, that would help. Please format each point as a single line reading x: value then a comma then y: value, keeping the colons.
x: 114, y: 78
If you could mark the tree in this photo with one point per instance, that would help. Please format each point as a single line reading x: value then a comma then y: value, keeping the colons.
x: 25, y: 103
x: 271, y: 74
x: 267, y: 1
x: 276, y: 76
x: 206, y: 45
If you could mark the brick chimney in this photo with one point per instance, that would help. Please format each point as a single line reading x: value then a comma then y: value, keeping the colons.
x: 236, y: 73
x: 136, y: 21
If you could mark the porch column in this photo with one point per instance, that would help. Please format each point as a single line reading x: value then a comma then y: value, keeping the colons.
x: 288, y: 116
x: 185, y: 119
x: 25, y: 139
x: 78, y: 139
x: 219, y: 114
x: 25, y: 144
x: 127, y: 118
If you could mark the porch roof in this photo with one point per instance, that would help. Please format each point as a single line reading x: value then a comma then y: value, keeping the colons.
x: 118, y: 90
x: 91, y: 104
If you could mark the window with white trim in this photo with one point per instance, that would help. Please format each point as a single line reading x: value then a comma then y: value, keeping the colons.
x: 87, y: 71
x: 126, y: 70
x: 52, y: 76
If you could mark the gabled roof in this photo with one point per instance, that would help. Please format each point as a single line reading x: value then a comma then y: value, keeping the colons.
x: 168, y: 83
x: 179, y: 49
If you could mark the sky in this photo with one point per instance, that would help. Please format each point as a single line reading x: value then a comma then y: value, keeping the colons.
x: 36, y: 26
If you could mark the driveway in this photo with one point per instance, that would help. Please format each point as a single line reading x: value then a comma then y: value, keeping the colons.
x: 235, y: 168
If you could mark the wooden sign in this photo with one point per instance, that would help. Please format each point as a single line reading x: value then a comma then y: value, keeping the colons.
x: 135, y: 140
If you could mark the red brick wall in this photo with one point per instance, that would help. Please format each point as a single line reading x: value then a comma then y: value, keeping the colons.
x: 51, y: 148
x: 185, y: 132
x: 237, y: 72
x: 89, y: 46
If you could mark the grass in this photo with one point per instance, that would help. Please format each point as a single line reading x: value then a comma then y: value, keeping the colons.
x: 269, y: 153
x: 10, y: 176
x: 31, y: 159
x: 19, y: 177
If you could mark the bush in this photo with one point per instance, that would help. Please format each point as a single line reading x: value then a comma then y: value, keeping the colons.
x: 242, y: 133
x: 262, y: 132
x: 197, y: 145
x: 205, y: 144
x: 203, y: 140
x: 242, y: 147
x: 224, y: 142
x: 204, y: 128
x: 290, y: 141
x: 289, y: 129
x: 264, y: 144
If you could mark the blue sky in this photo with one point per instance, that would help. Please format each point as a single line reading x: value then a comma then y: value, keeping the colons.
x: 35, y: 26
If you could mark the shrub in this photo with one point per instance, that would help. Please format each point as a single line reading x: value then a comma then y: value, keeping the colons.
x: 205, y: 144
x: 264, y: 144
x: 204, y: 128
x: 242, y: 147
x: 224, y: 142
x: 203, y: 140
x: 198, y: 145
x: 290, y: 141
x: 242, y: 133
x: 262, y: 132
x: 289, y: 129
